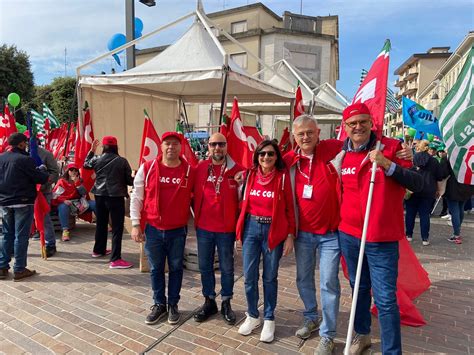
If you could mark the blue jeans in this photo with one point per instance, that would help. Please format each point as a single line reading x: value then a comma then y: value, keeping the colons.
x: 64, y: 211
x: 207, y: 243
x: 306, y: 248
x: 456, y: 209
x: 379, y: 272
x: 422, y: 206
x: 159, y: 246
x: 255, y: 245
x: 15, y: 237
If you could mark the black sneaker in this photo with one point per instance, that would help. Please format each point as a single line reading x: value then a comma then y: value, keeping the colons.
x: 50, y: 251
x: 173, y: 314
x: 227, y: 312
x: 158, y: 311
x: 3, y: 274
x: 208, y: 309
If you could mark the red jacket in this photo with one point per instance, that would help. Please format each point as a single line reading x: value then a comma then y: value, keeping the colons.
x: 65, y: 190
x: 229, y: 192
x: 386, y: 215
x: 283, y: 216
x: 176, y: 215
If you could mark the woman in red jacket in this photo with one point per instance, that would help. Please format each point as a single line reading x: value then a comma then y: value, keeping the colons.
x: 67, y: 195
x: 266, y: 228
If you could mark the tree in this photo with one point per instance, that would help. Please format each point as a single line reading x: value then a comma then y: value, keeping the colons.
x: 42, y: 94
x: 63, y: 103
x: 15, y: 73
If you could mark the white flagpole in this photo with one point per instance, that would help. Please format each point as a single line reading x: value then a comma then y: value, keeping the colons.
x: 361, y: 256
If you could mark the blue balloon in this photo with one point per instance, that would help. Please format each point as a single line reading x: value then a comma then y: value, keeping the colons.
x: 116, y: 41
x: 138, y: 25
x: 137, y: 34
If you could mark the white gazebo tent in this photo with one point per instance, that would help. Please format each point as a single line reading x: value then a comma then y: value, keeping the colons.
x: 193, y: 69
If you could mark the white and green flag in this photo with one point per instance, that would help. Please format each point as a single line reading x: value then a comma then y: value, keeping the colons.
x: 38, y: 127
x: 456, y: 121
x: 47, y: 113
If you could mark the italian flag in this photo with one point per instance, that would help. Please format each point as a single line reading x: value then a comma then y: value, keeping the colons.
x: 456, y: 121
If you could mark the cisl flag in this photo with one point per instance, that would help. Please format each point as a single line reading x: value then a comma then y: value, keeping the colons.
x: 7, y: 127
x: 151, y: 142
x: 299, y: 108
x: 373, y: 90
x: 240, y: 145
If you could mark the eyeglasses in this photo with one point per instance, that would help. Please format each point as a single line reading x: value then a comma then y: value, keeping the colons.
x: 363, y: 123
x: 215, y: 144
x: 263, y: 153
x: 308, y: 134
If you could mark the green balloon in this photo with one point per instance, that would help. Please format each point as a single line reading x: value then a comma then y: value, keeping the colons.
x: 411, y: 132
x: 14, y: 99
x: 430, y: 137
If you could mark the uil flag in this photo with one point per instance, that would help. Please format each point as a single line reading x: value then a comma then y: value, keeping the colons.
x: 7, y: 127
x: 240, y: 145
x: 151, y: 142
x: 84, y: 141
x: 299, y: 108
x: 373, y: 90
x: 456, y: 120
x: 415, y: 116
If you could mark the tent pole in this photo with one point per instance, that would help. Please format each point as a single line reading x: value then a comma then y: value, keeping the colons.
x: 223, y: 97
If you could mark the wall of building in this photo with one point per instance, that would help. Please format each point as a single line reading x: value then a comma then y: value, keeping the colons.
x: 427, y: 70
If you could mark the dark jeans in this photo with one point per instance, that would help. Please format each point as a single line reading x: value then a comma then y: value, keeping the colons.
x: 64, y: 211
x: 115, y: 207
x: 159, y: 246
x: 15, y: 237
x: 207, y: 243
x: 422, y: 206
x: 456, y: 209
x: 254, y: 246
x: 379, y: 273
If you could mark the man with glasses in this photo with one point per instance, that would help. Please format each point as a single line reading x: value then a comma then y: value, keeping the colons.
x: 385, y: 229
x: 216, y: 209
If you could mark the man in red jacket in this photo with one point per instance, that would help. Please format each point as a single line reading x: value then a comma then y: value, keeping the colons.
x: 386, y: 227
x: 215, y: 216
x: 160, y: 203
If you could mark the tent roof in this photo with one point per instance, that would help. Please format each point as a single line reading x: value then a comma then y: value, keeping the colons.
x: 191, y: 69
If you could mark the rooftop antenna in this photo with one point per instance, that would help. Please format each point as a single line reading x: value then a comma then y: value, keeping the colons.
x: 301, y: 7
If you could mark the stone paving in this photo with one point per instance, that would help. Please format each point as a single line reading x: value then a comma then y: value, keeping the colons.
x: 76, y: 304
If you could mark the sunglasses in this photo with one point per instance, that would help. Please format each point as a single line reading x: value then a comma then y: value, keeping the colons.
x: 262, y: 154
x: 215, y: 144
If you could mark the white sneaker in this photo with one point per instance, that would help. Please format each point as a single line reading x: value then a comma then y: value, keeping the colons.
x: 446, y: 216
x: 410, y: 239
x: 249, y: 325
x: 268, y: 331
x: 426, y: 242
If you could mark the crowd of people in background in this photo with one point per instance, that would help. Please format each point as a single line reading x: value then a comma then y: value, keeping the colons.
x: 311, y: 201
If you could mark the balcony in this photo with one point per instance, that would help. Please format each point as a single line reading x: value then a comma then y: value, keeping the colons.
x: 412, y: 73
x: 400, y: 82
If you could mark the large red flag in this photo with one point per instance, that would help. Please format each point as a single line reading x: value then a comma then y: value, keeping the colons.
x: 151, y: 142
x: 188, y: 153
x: 299, y: 108
x: 373, y: 90
x: 83, y: 145
x: 41, y: 209
x: 7, y: 127
x: 285, y: 143
x: 240, y: 144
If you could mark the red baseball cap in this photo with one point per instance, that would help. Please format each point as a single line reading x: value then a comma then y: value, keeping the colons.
x: 109, y: 140
x: 355, y: 109
x: 72, y: 166
x: 176, y: 135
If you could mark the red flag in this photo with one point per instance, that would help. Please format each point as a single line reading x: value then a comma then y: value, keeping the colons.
x: 224, y: 129
x: 7, y: 127
x: 373, y: 90
x: 299, y: 108
x: 240, y: 144
x: 151, y: 142
x: 41, y: 209
x: 84, y: 141
x: 55, y: 139
x: 47, y: 129
x: 285, y: 143
x: 188, y: 153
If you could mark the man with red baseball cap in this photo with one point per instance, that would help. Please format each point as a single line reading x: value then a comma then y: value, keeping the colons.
x: 113, y: 174
x: 386, y: 227
x: 159, y: 209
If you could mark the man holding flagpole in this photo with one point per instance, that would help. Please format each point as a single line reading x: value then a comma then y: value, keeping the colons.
x: 380, y: 262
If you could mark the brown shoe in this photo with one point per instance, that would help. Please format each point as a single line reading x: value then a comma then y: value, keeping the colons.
x: 23, y: 274
x: 3, y: 274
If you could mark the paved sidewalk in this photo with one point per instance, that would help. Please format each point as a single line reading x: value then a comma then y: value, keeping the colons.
x: 78, y: 305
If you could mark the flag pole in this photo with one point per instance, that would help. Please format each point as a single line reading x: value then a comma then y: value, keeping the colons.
x: 223, y: 97
x: 361, y: 256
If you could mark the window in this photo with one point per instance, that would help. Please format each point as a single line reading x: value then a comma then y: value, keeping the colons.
x: 237, y: 27
x: 240, y: 59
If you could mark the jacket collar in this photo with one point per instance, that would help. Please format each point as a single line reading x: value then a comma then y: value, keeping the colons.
x: 347, y: 146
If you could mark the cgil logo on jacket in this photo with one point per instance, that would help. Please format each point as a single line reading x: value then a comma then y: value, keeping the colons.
x: 169, y: 180
x: 348, y: 171
x: 258, y: 193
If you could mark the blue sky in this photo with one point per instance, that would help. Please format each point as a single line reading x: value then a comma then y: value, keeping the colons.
x: 43, y: 28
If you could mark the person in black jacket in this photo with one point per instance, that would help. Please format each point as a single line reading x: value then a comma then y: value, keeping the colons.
x: 421, y: 202
x: 18, y: 179
x: 113, y: 174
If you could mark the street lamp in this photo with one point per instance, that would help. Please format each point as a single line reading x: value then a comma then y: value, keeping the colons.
x: 435, y: 95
